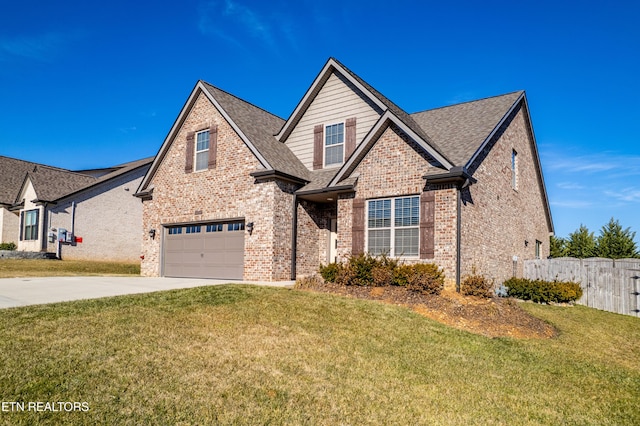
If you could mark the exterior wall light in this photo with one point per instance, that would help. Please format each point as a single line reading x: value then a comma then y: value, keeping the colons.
x: 250, y: 227
x: 152, y: 233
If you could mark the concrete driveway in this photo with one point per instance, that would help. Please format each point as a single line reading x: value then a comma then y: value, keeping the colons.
x: 36, y: 291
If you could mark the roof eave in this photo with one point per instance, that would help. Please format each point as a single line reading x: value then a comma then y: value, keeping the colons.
x: 386, y: 119
x: 276, y: 174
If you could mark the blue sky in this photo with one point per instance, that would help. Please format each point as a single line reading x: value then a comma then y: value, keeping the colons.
x: 90, y: 84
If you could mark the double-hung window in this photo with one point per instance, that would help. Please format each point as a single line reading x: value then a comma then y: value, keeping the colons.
x: 334, y: 144
x: 31, y: 225
x: 202, y: 150
x: 393, y: 226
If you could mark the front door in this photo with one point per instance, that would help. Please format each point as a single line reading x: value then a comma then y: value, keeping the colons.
x: 332, y: 253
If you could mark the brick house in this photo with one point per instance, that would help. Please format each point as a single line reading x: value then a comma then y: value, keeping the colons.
x: 39, y: 202
x: 235, y: 192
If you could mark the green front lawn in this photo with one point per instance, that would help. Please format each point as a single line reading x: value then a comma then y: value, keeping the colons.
x: 10, y: 268
x: 242, y: 354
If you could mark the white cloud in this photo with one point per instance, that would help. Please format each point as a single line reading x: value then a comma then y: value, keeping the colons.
x: 570, y: 185
x: 232, y: 21
x: 631, y: 195
x: 41, y: 47
x: 575, y: 204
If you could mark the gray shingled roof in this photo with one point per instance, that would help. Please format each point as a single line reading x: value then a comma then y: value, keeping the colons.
x: 399, y: 112
x: 12, y: 173
x: 462, y: 128
x: 51, y: 184
x: 260, y: 127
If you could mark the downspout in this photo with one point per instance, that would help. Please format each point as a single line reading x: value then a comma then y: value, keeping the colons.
x: 43, y: 234
x: 294, y: 236
x: 465, y: 184
x: 73, y: 223
x: 458, y: 235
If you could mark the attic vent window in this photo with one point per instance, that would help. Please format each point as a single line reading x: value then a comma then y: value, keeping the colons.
x: 334, y: 144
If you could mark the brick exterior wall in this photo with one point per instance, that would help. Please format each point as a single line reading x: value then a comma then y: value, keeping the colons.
x: 313, y: 236
x: 227, y: 191
x: 394, y: 167
x: 9, y: 226
x: 496, y: 219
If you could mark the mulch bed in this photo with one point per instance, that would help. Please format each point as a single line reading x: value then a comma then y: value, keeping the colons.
x: 494, y: 317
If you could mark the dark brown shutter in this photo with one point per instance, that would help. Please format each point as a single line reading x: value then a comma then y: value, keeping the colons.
x: 188, y: 167
x: 21, y: 225
x: 213, y: 146
x: 427, y: 225
x: 37, y: 224
x: 318, y: 145
x: 357, y: 228
x: 350, y: 137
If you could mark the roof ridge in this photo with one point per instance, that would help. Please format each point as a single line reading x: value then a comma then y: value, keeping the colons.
x: 467, y: 102
x: 242, y: 100
x: 34, y: 163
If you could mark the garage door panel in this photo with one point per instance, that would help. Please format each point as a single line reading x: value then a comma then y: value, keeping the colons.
x: 218, y: 254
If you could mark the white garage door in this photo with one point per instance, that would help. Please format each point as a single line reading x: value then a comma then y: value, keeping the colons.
x: 204, y: 250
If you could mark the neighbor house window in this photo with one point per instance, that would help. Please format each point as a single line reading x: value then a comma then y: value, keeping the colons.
x: 31, y: 225
x: 202, y: 150
x: 538, y: 248
x: 334, y: 144
x: 393, y: 226
x: 514, y: 169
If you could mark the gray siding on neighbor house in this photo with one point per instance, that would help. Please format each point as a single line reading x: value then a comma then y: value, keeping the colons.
x: 336, y: 101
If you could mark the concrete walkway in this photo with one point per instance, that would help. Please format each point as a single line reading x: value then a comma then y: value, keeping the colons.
x: 36, y: 291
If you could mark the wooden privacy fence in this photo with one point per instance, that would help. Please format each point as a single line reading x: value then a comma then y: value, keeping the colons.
x: 607, y: 284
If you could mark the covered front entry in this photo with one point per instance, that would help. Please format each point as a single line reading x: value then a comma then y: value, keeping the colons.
x: 204, y: 250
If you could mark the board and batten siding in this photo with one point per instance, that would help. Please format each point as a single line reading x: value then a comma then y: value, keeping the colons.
x: 337, y: 101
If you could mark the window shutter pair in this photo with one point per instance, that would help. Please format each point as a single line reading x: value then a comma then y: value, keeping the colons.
x: 318, y: 142
x: 191, y: 146
x: 427, y: 226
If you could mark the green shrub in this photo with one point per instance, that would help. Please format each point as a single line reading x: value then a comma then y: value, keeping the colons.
x: 362, y: 267
x: 8, y: 246
x: 382, y: 276
x: 476, y: 285
x: 543, y: 291
x: 425, y: 278
x: 330, y: 272
x: 367, y: 270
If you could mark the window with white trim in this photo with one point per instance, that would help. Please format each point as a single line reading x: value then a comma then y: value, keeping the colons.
x: 334, y: 144
x: 393, y: 226
x: 202, y: 150
x: 30, y: 225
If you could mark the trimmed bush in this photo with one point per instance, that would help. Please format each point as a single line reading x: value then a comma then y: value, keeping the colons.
x: 366, y: 270
x: 8, y: 246
x: 426, y: 278
x: 543, y: 291
x: 330, y: 272
x: 476, y: 285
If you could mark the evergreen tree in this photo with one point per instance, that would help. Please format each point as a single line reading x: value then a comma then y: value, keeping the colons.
x: 557, y: 246
x: 615, y: 242
x: 581, y: 243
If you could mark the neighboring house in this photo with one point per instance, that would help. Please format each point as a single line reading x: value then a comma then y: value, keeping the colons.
x: 238, y: 193
x: 96, y: 206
